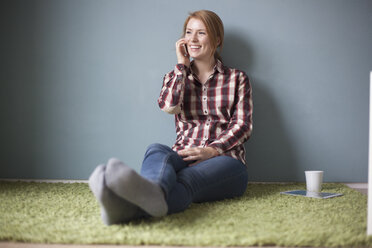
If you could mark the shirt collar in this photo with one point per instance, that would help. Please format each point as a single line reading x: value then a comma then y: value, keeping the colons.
x: 219, y: 66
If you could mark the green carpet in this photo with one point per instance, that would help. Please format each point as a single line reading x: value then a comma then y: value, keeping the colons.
x: 68, y: 213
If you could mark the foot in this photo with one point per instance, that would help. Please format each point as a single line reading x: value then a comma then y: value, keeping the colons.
x: 114, y: 209
x: 128, y: 184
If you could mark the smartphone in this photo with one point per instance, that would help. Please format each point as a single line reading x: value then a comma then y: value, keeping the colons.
x: 186, y: 53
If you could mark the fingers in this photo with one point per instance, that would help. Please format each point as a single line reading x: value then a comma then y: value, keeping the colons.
x: 198, y: 154
x: 180, y: 46
x: 181, y: 51
x: 190, y: 157
x: 189, y: 151
x: 190, y: 154
x: 181, y: 42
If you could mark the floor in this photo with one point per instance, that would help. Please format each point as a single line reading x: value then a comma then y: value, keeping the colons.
x: 361, y: 187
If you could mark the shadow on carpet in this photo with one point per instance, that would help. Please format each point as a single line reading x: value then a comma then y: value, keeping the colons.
x: 69, y: 214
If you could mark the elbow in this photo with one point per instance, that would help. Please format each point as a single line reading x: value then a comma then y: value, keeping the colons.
x: 249, y: 131
x: 168, y: 108
x: 173, y: 110
x: 246, y: 130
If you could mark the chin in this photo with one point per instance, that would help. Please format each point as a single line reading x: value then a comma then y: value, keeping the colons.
x: 193, y: 55
x: 196, y: 56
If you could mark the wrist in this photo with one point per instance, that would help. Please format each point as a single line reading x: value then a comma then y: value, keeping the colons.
x: 213, y: 152
x: 184, y: 62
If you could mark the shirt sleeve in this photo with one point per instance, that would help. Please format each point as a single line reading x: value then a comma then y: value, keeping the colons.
x: 240, y: 126
x: 171, y: 94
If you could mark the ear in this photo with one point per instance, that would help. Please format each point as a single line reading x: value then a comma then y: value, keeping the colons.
x: 218, y: 41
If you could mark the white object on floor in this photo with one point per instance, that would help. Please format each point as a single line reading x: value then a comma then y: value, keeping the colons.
x: 314, y: 181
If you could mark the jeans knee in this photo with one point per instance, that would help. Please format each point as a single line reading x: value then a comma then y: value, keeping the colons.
x: 156, y: 147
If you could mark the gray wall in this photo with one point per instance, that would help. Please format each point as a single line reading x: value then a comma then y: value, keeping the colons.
x: 80, y: 78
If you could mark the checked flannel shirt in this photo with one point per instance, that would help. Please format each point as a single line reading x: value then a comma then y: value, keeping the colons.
x: 215, y: 114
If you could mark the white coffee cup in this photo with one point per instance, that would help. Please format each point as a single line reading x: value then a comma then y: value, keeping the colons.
x: 314, y: 180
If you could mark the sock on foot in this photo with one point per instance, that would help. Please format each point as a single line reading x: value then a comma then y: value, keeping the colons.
x: 127, y: 183
x: 114, y: 209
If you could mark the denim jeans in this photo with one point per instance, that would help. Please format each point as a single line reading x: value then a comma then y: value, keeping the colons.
x: 214, y: 179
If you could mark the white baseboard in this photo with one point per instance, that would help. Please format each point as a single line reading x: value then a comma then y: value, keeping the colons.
x: 357, y: 185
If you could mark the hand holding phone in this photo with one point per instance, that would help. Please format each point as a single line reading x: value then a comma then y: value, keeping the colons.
x: 185, y: 53
x: 183, y: 56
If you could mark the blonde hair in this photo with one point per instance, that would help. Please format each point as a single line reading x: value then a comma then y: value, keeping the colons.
x: 214, y: 27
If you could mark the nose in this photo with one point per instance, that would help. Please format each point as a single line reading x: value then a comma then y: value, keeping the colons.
x: 194, y: 37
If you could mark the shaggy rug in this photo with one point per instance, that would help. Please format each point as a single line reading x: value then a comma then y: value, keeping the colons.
x: 69, y: 214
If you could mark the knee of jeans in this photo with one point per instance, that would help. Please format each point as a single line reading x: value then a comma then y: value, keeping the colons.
x: 156, y: 147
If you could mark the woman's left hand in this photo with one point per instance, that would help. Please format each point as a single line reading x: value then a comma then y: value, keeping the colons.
x: 198, y: 154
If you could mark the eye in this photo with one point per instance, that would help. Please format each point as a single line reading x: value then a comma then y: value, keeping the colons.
x: 202, y: 33
x: 188, y: 32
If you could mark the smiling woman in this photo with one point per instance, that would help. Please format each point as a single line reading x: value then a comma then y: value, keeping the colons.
x: 198, y: 41
x: 209, y: 25
x: 212, y: 106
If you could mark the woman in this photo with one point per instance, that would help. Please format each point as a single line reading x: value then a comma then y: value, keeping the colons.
x: 212, y: 106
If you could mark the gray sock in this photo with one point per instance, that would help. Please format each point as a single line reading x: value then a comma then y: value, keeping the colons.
x: 128, y: 184
x: 114, y: 209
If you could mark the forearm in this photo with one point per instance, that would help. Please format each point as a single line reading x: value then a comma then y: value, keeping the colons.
x: 231, y: 138
x: 171, y: 95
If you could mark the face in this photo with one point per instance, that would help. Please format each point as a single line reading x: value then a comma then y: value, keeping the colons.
x: 198, y: 43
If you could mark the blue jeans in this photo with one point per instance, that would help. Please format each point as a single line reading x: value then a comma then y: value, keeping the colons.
x: 214, y: 179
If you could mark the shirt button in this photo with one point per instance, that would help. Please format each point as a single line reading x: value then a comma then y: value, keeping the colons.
x: 205, y: 112
x: 204, y: 98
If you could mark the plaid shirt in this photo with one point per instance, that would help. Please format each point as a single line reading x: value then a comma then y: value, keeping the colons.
x: 215, y: 114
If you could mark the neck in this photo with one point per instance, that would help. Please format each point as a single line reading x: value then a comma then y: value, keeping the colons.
x: 204, y: 66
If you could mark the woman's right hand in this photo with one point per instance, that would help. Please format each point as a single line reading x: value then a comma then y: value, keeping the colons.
x: 182, y: 55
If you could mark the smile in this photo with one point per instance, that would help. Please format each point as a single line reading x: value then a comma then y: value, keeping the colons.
x: 195, y: 47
